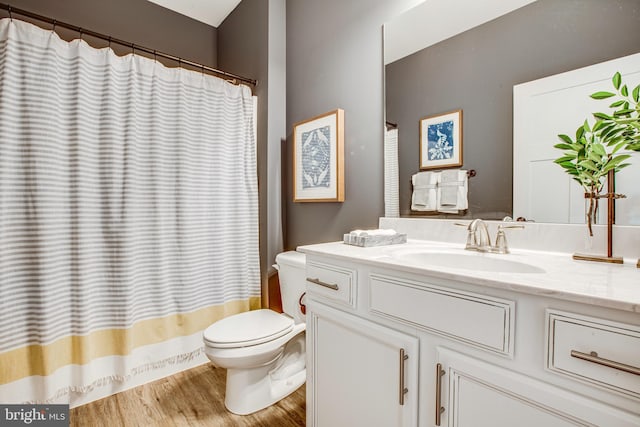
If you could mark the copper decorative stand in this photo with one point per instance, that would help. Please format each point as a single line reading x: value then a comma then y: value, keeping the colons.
x: 611, y: 197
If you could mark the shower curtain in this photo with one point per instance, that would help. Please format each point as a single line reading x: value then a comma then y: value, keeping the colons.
x: 128, y: 215
x: 391, y: 179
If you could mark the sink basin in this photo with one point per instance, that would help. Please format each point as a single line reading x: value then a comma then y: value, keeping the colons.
x: 466, y: 261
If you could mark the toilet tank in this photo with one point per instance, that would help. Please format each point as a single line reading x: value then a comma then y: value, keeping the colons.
x: 292, y: 275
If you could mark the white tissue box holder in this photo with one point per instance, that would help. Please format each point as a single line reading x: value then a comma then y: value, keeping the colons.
x: 366, y: 241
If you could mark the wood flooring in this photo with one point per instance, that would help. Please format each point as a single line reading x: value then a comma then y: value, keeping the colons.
x: 190, y: 398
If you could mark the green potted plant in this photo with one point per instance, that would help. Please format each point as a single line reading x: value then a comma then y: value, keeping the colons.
x: 600, y: 148
x: 623, y: 126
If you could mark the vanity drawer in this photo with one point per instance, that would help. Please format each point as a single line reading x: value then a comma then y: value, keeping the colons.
x: 331, y: 282
x: 474, y: 319
x: 594, y: 350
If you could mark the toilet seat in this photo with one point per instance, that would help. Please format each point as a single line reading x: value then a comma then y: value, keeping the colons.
x: 248, y: 329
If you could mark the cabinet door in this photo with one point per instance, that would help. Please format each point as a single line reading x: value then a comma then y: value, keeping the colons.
x: 478, y: 394
x: 358, y: 371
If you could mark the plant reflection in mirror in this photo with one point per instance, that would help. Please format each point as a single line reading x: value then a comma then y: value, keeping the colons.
x: 623, y: 126
x: 603, y: 147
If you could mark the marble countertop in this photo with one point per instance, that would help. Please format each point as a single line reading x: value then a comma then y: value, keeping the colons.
x: 557, y: 274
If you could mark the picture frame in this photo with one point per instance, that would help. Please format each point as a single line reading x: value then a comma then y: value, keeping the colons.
x: 441, y: 141
x: 318, y: 158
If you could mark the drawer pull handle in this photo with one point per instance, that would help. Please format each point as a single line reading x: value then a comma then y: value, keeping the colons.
x: 402, y: 388
x: 594, y: 358
x: 439, y: 409
x: 321, y: 283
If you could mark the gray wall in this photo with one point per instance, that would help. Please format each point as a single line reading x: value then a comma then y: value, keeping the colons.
x: 476, y: 71
x: 137, y: 21
x: 334, y: 60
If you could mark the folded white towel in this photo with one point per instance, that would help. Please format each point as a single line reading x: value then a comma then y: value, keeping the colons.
x: 378, y: 237
x: 449, y: 184
x: 362, y: 237
x: 377, y: 232
x: 424, y: 197
x: 453, y: 191
x: 382, y: 232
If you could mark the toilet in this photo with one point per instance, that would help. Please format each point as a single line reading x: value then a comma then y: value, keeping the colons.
x: 262, y: 350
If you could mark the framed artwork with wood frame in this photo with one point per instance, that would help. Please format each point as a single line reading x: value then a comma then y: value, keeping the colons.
x: 318, y: 158
x: 441, y: 141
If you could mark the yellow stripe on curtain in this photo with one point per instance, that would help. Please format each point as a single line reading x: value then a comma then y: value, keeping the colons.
x: 45, y: 359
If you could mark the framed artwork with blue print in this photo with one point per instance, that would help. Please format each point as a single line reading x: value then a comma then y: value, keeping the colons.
x: 441, y: 141
x: 318, y: 158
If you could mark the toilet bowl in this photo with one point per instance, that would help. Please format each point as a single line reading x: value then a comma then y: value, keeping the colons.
x: 262, y: 350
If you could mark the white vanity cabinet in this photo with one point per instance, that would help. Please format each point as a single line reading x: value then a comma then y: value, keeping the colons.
x: 359, y: 373
x: 487, y: 356
x: 593, y: 350
x: 474, y: 393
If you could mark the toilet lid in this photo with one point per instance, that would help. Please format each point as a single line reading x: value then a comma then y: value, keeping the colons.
x: 246, y: 329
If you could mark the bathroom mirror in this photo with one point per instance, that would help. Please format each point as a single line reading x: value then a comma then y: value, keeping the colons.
x: 438, y: 59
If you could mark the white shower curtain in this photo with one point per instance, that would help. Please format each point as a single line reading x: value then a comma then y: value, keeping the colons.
x: 128, y: 215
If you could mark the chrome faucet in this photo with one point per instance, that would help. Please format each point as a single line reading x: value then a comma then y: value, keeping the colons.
x: 478, y: 237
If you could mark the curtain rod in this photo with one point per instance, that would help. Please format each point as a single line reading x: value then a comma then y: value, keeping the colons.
x: 133, y: 46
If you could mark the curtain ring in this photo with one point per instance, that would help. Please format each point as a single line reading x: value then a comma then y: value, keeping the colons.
x: 202, y: 68
x: 54, y: 26
x: 155, y: 56
x: 109, y: 42
x: 133, y: 48
x: 81, y: 32
x: 10, y: 15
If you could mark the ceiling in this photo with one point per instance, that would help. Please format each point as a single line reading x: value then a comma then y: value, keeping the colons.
x: 211, y: 12
x: 435, y: 20
x: 403, y: 29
